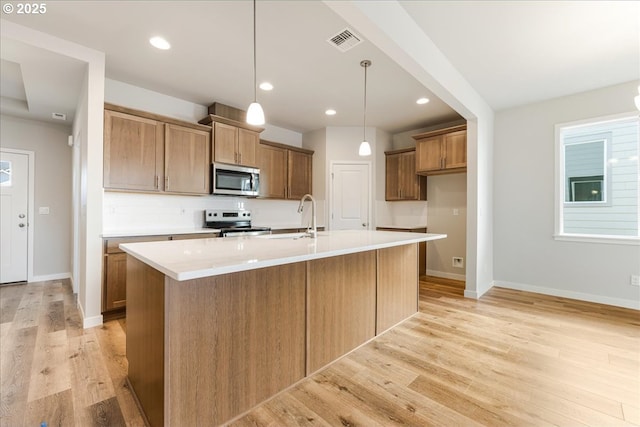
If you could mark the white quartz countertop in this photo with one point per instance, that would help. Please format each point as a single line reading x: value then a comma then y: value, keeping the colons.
x: 192, y: 259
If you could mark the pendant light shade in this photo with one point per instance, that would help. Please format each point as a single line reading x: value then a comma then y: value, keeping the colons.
x: 365, y: 148
x: 255, y: 114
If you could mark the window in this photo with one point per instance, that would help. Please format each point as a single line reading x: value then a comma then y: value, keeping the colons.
x: 586, y: 189
x: 598, y: 180
x: 5, y: 173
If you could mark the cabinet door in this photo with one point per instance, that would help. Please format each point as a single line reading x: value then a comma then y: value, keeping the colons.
x: 409, y: 184
x: 429, y: 154
x: 133, y: 152
x: 186, y: 160
x: 299, y: 174
x: 272, y: 162
x: 455, y: 150
x: 247, y: 147
x: 225, y: 143
x: 115, y: 289
x: 392, y: 177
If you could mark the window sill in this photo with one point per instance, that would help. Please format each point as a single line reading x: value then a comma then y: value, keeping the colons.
x: 591, y: 238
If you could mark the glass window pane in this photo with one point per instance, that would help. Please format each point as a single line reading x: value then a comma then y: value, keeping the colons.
x: 5, y: 173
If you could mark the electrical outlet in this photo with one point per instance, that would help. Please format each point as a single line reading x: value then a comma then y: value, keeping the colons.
x: 457, y: 262
x: 635, y: 280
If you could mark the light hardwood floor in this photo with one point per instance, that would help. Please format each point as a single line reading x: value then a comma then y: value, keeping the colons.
x: 511, y: 358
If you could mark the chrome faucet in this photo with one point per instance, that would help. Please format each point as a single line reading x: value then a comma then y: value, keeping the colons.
x: 314, y: 231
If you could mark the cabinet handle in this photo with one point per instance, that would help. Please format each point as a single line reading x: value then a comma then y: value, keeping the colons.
x: 166, y: 183
x: 240, y: 158
x: 156, y: 182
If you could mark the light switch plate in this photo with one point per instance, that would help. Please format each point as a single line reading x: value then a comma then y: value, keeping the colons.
x: 43, y: 210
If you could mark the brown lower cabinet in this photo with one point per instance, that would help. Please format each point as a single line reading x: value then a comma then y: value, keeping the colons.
x: 114, y: 270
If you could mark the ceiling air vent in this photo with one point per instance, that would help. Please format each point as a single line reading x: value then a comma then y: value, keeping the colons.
x: 59, y: 116
x: 345, y: 40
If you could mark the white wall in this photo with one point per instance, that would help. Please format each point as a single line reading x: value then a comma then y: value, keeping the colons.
x: 447, y: 193
x: 52, y: 232
x: 526, y: 255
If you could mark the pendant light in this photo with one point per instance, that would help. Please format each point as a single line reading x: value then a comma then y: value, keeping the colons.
x: 365, y: 148
x: 255, y: 114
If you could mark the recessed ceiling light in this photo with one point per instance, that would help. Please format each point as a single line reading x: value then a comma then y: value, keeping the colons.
x: 422, y: 101
x: 160, y: 43
x: 330, y: 112
x: 266, y: 86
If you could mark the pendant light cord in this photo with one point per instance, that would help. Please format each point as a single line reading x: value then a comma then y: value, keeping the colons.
x: 364, y: 121
x: 255, y: 91
x: 365, y: 64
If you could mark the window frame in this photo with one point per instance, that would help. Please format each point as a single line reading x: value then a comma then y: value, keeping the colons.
x: 560, y: 203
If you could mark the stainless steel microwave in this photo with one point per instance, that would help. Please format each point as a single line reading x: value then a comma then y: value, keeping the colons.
x: 233, y: 180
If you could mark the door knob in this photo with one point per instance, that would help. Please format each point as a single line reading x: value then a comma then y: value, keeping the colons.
x: 21, y: 216
x: 21, y: 225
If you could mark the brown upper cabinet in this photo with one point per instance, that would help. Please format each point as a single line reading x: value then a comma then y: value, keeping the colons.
x: 133, y: 152
x: 285, y: 171
x: 402, y: 182
x: 442, y: 151
x: 232, y: 141
x: 186, y: 160
x: 234, y: 145
x: 150, y: 153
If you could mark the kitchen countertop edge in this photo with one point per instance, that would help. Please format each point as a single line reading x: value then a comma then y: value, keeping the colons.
x: 139, y: 251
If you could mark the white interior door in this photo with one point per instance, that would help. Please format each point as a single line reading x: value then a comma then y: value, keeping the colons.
x: 14, y: 196
x: 350, y: 196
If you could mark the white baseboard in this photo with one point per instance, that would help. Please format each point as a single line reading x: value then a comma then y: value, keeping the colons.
x: 48, y: 277
x: 600, y: 299
x: 89, y: 322
x: 471, y: 294
x: 446, y: 275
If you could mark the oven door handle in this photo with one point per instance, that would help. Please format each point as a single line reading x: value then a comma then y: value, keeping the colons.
x: 245, y: 233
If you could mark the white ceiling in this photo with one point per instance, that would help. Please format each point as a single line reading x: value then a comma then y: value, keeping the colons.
x: 512, y: 53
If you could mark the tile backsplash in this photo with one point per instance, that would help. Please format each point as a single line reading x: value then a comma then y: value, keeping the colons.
x: 145, y: 212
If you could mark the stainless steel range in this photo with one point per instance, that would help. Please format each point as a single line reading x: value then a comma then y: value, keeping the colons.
x: 232, y: 223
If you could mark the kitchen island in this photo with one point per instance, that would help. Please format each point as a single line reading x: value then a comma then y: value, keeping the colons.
x: 216, y: 326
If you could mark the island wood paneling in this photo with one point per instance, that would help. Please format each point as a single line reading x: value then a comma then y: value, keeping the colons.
x: 341, y: 300
x: 232, y: 341
x: 145, y: 337
x: 397, y: 285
